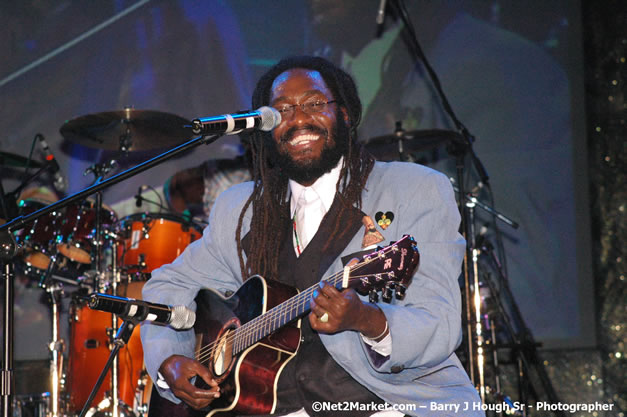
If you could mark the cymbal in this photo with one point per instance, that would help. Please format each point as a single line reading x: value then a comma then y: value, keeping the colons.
x: 389, y: 147
x: 17, y: 161
x: 127, y: 130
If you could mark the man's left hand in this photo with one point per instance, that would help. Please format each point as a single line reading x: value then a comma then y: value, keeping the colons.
x: 344, y: 311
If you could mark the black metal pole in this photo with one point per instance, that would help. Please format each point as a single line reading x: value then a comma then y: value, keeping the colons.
x: 7, y: 382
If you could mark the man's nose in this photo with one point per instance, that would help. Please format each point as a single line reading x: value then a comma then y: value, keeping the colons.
x: 298, y: 115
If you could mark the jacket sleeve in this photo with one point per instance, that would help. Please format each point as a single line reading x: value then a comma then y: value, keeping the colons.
x: 210, y: 262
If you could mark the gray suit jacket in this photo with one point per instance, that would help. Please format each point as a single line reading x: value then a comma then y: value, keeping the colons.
x: 422, y: 371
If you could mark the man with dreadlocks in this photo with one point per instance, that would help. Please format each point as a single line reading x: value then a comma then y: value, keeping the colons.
x: 309, y: 208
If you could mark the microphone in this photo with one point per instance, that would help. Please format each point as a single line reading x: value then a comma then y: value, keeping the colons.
x: 381, y: 13
x: 177, y: 317
x: 59, y: 182
x: 138, y: 197
x: 265, y: 118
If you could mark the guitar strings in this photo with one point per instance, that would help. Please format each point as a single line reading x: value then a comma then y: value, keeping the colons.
x: 246, y: 331
x: 278, y: 312
x: 256, y: 330
x: 249, y: 329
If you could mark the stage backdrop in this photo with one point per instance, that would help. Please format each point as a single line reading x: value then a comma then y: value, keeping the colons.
x: 511, y: 71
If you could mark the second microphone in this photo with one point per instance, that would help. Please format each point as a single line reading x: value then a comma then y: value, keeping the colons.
x: 177, y: 317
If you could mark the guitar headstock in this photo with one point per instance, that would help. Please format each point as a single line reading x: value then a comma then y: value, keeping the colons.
x: 387, y: 270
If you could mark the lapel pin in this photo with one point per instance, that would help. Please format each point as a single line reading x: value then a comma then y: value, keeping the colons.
x: 384, y: 219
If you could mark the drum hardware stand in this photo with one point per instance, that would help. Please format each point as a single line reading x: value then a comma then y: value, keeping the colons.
x: 121, y: 339
x: 524, y: 345
x: 115, y: 374
x: 56, y: 345
x: 142, y: 386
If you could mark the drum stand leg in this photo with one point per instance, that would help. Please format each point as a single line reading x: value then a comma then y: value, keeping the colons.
x: 115, y: 374
x: 56, y: 345
x: 523, y: 343
x: 121, y: 339
x: 56, y: 348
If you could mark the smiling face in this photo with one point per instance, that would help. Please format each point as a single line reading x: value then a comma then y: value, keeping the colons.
x: 306, y: 145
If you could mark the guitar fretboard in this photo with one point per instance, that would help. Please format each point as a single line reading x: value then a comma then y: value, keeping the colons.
x: 277, y: 317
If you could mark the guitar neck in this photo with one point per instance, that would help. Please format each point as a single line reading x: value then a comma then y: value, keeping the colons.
x: 250, y: 333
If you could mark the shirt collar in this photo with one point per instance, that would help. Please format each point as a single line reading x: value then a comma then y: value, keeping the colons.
x: 325, y: 188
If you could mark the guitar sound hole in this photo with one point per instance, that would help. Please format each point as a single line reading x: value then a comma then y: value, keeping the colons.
x: 223, y: 354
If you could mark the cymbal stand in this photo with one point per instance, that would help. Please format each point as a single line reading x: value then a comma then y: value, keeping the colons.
x: 56, y: 345
x: 99, y: 171
x: 475, y: 301
x: 115, y: 371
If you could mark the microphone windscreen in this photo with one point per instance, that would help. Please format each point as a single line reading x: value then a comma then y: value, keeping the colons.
x: 270, y: 118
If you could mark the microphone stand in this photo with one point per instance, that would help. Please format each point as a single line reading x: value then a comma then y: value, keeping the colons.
x: 459, y: 150
x: 470, y: 266
x: 8, y: 251
x: 119, y: 341
x: 7, y: 382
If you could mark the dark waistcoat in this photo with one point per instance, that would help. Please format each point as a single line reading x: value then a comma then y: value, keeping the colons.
x: 313, y: 375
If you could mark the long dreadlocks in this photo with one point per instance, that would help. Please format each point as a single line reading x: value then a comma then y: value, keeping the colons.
x: 269, y: 197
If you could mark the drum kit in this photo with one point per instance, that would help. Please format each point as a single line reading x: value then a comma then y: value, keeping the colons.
x: 85, y: 246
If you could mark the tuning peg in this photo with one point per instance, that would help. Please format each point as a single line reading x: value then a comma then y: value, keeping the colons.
x: 373, y: 297
x: 387, y: 293
x: 400, y: 291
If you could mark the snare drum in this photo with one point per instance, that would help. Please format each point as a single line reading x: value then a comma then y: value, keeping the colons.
x: 152, y: 240
x: 77, y: 238
x: 88, y: 355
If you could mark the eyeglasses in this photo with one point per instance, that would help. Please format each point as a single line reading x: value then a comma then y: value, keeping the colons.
x: 309, y: 107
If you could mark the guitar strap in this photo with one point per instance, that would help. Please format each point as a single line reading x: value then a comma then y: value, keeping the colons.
x: 313, y: 375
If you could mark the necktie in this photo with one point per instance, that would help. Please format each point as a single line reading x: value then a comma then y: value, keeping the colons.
x: 308, y: 215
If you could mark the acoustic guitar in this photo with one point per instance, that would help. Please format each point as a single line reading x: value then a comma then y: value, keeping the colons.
x: 246, y: 339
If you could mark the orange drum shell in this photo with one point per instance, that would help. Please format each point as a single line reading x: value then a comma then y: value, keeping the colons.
x: 167, y: 237
x: 89, y: 353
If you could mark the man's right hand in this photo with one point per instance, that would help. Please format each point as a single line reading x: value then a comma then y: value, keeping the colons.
x: 178, y: 370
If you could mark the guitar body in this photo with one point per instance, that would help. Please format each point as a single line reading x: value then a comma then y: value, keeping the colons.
x: 247, y: 382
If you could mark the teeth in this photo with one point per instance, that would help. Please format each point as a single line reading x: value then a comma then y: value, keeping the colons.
x: 303, y: 138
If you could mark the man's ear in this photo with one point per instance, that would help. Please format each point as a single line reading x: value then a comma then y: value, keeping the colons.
x: 345, y: 115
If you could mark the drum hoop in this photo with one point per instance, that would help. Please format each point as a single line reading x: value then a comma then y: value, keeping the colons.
x: 139, y: 217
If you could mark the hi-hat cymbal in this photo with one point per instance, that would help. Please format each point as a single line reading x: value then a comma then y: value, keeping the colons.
x: 17, y: 161
x: 127, y: 130
x: 390, y: 147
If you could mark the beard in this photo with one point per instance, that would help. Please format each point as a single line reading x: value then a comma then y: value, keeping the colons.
x: 311, y: 170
